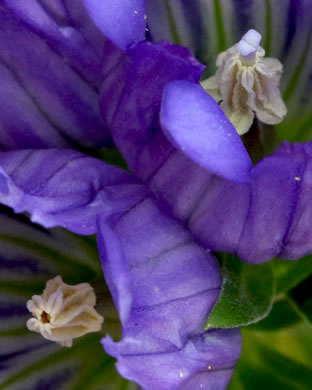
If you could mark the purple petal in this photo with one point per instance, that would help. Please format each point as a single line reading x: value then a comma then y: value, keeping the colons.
x: 50, y: 98
x: 122, y: 21
x: 67, y: 29
x: 269, y: 218
x: 204, y: 362
x: 274, y: 195
x: 298, y: 241
x: 131, y: 96
x: 266, y: 218
x: 116, y: 270
x: 173, y: 284
x: 65, y: 188
x: 197, y: 126
x: 278, y: 222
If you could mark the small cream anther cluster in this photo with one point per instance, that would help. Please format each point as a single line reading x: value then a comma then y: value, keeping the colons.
x: 63, y: 312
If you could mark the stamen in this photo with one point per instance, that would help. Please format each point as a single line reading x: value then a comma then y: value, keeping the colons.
x: 45, y: 317
x: 247, y: 84
x: 64, y: 312
x: 248, y: 47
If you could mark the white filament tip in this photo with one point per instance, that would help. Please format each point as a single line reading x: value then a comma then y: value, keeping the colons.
x: 249, y: 43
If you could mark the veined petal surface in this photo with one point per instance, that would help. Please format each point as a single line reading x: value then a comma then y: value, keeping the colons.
x: 258, y: 221
x: 51, y: 62
x: 62, y: 187
x: 163, y: 346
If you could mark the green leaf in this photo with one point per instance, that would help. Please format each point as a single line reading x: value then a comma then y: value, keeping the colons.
x: 275, y: 357
x: 246, y: 296
x: 306, y: 309
x: 289, y: 274
x: 302, y: 298
x: 284, y: 314
x: 279, y: 360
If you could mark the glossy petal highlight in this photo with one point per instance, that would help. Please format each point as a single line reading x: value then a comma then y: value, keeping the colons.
x: 197, y: 126
x: 121, y: 21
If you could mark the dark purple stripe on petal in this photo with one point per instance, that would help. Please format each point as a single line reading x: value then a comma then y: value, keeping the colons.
x: 56, y: 380
x: 295, y: 10
x: 67, y: 29
x: 50, y: 97
x: 6, y: 357
x: 243, y: 16
x: 12, y: 310
x: 192, y: 12
x: 19, y: 265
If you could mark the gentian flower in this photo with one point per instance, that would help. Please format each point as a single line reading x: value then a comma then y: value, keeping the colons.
x: 152, y: 233
x: 87, y: 196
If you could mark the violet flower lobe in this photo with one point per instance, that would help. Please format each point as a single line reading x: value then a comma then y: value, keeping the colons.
x: 52, y: 61
x: 163, y: 345
x: 70, y: 191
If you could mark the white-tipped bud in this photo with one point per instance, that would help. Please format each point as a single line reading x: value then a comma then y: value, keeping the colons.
x: 64, y: 312
x: 247, y: 84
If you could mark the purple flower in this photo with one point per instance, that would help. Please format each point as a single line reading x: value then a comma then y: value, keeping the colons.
x: 194, y: 188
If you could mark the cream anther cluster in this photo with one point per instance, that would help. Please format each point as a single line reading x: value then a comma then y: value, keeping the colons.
x: 247, y: 84
x: 64, y: 312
